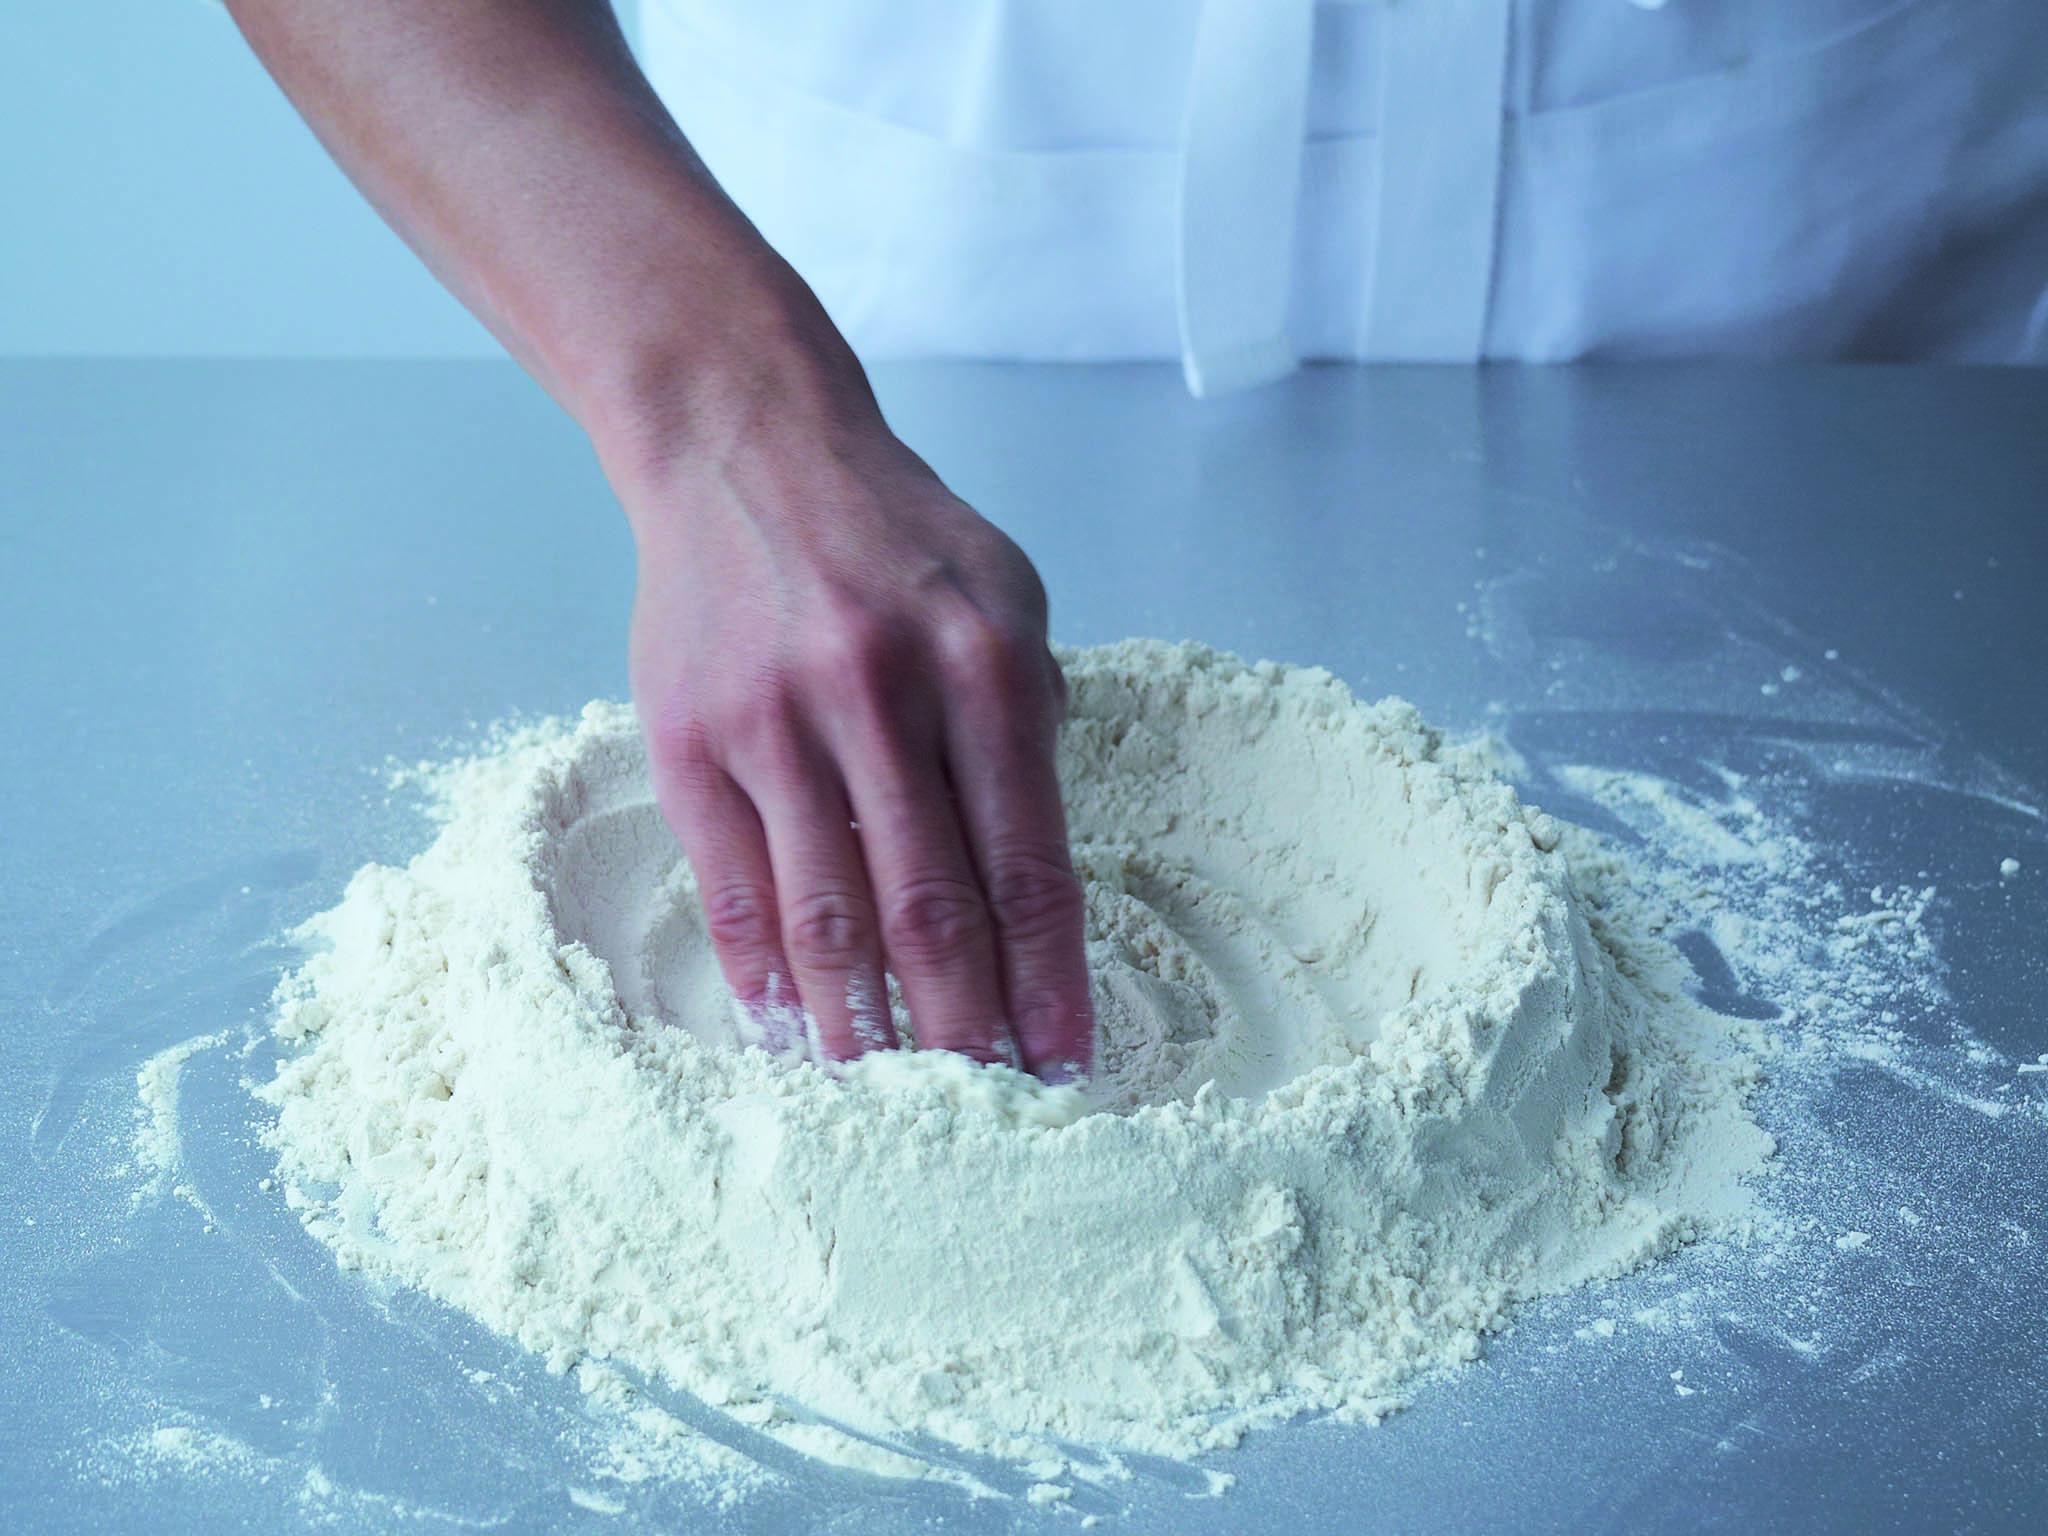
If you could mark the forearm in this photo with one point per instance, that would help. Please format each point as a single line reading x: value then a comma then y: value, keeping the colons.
x: 516, y: 146
x: 842, y: 670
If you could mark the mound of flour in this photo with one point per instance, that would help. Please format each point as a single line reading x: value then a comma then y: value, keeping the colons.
x: 1376, y: 1062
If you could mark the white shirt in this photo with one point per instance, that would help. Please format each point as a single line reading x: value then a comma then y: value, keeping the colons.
x: 1240, y: 183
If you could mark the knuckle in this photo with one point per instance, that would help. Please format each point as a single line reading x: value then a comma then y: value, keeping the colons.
x: 933, y: 917
x: 975, y: 644
x: 1030, y: 894
x: 998, y: 661
x: 758, y: 724
x: 854, y: 651
x: 828, y: 930
x: 679, y: 739
x: 740, y: 918
x: 838, y: 633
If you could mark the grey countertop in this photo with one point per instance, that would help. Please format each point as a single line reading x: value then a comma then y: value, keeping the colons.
x: 234, y: 591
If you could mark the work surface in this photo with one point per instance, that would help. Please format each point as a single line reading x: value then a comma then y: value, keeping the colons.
x: 231, y: 594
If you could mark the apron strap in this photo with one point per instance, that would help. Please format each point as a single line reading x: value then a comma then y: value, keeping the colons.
x: 1443, y: 66
x: 1240, y: 178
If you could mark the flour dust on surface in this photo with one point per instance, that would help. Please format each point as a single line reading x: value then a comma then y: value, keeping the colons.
x: 1389, y: 1059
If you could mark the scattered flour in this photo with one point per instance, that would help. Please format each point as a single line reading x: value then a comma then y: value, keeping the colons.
x: 1839, y: 968
x: 176, y: 1452
x: 191, y: 1450
x: 156, y: 1144
x: 646, y: 1441
x: 1383, y: 1052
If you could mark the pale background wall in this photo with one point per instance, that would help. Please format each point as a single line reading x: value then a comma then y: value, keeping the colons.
x: 159, y: 196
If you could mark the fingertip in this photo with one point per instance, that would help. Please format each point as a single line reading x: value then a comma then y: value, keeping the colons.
x: 869, y: 1026
x: 772, y: 1017
x: 1057, y: 1043
x: 853, y: 1025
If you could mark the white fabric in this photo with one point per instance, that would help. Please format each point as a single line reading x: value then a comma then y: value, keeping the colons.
x: 1543, y: 179
x: 1239, y: 179
x: 1443, y: 66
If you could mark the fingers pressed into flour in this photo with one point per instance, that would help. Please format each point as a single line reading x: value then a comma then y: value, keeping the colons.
x: 829, y: 927
x: 936, y: 930
x: 1003, y: 769
x: 728, y: 851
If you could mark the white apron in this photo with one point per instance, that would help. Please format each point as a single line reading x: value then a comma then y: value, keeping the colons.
x: 1241, y: 183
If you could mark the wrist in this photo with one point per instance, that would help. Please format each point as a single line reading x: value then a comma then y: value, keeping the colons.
x: 764, y: 374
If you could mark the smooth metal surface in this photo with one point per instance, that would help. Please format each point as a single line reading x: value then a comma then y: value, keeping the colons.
x: 229, y: 592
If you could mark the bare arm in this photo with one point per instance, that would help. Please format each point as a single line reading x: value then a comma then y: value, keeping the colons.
x: 517, y: 148
x: 841, y: 669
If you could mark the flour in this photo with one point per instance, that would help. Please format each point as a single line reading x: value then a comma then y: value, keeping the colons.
x: 1383, y: 1053
x: 156, y: 1141
x: 1843, y: 969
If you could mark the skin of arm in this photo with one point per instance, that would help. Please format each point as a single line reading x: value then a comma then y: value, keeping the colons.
x: 841, y: 670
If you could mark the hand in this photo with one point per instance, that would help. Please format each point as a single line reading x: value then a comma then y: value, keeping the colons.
x: 823, y: 634
x: 851, y: 714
